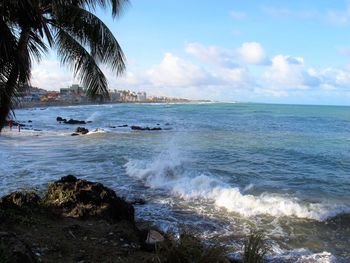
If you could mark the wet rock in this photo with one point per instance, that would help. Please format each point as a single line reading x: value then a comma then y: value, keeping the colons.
x: 72, y: 197
x: 123, y: 126
x: 60, y: 119
x: 139, y: 128
x: 72, y: 121
x: 81, y: 130
x: 30, y: 121
x: 154, y: 237
x: 20, y: 199
x: 14, y: 250
x: 75, y: 134
x: 112, y: 127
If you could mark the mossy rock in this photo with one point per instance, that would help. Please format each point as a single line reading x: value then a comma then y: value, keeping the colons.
x: 20, y: 199
x: 72, y: 197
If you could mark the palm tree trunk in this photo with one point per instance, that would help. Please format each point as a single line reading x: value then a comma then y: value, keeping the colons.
x: 10, y: 87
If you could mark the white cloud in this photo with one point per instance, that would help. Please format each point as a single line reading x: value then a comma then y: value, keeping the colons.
x: 212, y: 55
x: 252, y: 53
x: 49, y: 75
x: 247, y: 53
x: 174, y: 71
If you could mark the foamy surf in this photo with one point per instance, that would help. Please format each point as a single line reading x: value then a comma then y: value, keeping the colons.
x: 170, y: 174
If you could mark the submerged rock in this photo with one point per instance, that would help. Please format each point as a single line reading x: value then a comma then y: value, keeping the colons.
x: 72, y: 121
x: 139, y: 128
x: 60, y: 119
x: 72, y: 197
x: 82, y: 130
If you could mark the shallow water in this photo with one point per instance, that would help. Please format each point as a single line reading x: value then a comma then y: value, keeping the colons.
x: 224, y: 169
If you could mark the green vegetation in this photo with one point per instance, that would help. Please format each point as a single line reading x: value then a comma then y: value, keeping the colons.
x: 255, y: 248
x: 29, y: 28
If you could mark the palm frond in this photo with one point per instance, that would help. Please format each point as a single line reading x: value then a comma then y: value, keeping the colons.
x: 116, y: 5
x: 93, y: 33
x: 73, y: 54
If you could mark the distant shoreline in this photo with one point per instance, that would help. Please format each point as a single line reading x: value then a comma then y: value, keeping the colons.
x: 29, y: 105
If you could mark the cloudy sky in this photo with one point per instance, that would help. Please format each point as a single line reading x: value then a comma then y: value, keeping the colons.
x: 231, y: 50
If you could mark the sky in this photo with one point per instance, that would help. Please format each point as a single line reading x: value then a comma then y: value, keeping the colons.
x: 269, y: 51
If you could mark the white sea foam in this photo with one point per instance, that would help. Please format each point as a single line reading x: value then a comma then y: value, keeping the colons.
x: 301, y: 256
x: 168, y: 172
x: 97, y: 130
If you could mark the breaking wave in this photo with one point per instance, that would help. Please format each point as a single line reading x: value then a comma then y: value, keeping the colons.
x: 168, y: 172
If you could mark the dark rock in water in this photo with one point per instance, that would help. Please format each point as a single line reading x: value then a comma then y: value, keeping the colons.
x: 75, y: 134
x: 112, y: 127
x: 60, y: 119
x: 14, y: 250
x: 138, y: 128
x: 125, y: 125
x: 72, y: 121
x: 81, y: 130
x: 89, y: 122
x: 72, y: 197
x: 29, y: 121
x: 20, y: 199
x: 37, y: 130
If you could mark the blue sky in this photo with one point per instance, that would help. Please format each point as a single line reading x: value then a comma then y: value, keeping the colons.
x: 258, y: 51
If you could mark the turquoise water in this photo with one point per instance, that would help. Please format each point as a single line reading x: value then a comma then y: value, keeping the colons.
x: 224, y: 169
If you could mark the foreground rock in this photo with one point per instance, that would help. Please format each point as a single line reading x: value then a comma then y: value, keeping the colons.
x: 82, y: 221
x: 17, y: 251
x: 77, y: 198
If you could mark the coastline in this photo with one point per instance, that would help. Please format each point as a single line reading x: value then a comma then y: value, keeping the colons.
x: 28, y: 105
x: 81, y: 221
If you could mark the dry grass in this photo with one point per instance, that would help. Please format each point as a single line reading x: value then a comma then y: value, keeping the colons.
x: 189, y: 249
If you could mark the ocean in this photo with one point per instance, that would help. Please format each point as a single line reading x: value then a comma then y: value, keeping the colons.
x: 222, y: 169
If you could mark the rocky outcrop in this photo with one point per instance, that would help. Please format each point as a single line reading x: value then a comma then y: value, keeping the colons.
x: 20, y: 199
x: 139, y: 128
x: 70, y: 121
x: 72, y: 197
x: 60, y: 119
x: 80, y: 131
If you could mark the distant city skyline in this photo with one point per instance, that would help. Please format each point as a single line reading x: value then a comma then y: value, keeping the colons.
x: 251, y: 51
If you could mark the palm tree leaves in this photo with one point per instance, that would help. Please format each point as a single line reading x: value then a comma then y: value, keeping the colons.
x: 29, y: 27
x: 91, y: 32
x: 73, y: 54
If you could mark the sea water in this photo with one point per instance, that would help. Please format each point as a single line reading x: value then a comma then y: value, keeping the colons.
x: 223, y: 169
